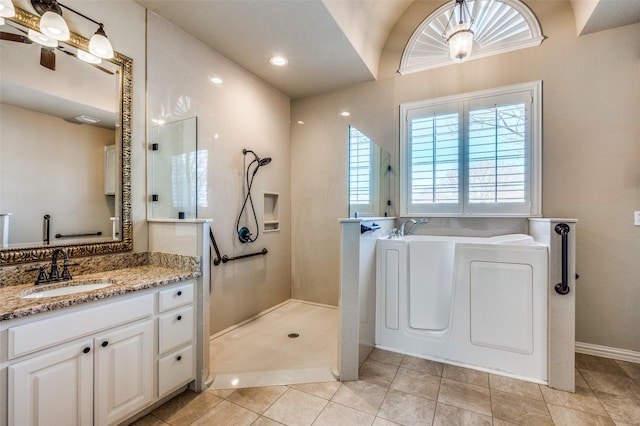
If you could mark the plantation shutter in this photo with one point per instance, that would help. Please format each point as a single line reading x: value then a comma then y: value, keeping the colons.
x: 360, y: 172
x: 434, y: 158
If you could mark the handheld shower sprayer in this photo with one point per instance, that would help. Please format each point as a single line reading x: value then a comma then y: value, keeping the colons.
x: 244, y: 234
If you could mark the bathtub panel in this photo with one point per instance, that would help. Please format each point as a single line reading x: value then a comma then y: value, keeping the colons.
x: 454, y: 345
x: 502, y: 306
x: 430, y: 284
x: 391, y: 288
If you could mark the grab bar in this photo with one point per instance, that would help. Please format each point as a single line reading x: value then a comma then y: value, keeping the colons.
x: 91, y: 234
x: 563, y: 230
x: 224, y: 259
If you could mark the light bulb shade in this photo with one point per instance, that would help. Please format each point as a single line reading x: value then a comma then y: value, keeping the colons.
x: 87, y: 57
x: 41, y: 39
x: 54, y: 26
x: 100, y: 46
x: 6, y: 9
x: 460, y: 40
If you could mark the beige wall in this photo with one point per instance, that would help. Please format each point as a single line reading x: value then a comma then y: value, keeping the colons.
x: 242, y: 112
x: 319, y: 165
x: 591, y: 159
x: 71, y: 156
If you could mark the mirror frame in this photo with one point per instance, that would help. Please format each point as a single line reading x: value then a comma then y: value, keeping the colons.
x: 25, y: 254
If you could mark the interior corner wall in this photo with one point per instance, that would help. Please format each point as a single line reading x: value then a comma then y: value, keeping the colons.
x: 319, y: 178
x: 591, y: 156
x: 241, y: 113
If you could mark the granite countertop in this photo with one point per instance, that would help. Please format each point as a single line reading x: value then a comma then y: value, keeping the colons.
x: 124, y: 281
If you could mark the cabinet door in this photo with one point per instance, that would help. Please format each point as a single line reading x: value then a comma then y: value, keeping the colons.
x: 123, y: 372
x: 55, y: 388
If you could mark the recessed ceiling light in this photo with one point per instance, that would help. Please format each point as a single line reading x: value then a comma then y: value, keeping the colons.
x: 216, y: 80
x: 87, y: 119
x: 300, y: 122
x: 345, y: 113
x: 278, y: 60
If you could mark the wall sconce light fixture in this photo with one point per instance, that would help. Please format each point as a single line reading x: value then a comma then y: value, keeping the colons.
x: 53, y: 25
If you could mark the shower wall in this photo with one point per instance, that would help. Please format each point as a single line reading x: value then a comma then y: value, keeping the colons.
x: 241, y: 112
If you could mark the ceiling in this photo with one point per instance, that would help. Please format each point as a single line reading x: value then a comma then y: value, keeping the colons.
x: 325, y: 52
x: 330, y: 44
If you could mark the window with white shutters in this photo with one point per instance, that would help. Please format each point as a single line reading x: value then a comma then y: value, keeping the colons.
x: 473, y: 154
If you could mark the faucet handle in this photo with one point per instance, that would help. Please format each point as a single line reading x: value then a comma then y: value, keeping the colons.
x: 42, y: 275
x: 65, y: 270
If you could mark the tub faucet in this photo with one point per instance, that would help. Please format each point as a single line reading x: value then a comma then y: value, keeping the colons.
x: 414, y: 223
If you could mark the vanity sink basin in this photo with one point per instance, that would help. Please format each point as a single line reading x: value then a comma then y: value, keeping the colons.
x: 65, y: 290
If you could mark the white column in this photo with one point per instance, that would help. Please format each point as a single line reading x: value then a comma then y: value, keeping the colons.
x: 562, y: 307
x: 348, y: 304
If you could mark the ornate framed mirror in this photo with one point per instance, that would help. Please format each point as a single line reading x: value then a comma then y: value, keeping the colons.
x: 32, y: 190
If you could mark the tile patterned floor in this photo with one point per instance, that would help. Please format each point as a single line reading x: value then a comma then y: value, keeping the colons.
x: 396, y: 389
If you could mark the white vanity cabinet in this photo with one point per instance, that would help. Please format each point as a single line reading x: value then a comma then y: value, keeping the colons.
x: 176, y: 331
x: 123, y: 372
x: 53, y: 388
x: 100, y: 364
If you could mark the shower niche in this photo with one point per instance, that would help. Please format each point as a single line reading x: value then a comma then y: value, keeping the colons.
x: 270, y: 215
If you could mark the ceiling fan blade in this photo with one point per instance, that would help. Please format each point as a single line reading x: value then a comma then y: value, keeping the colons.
x: 15, y: 37
x: 48, y: 58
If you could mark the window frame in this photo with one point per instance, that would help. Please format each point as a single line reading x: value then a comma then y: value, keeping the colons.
x: 532, y: 207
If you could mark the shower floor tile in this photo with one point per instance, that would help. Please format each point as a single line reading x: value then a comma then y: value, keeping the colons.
x: 261, y: 353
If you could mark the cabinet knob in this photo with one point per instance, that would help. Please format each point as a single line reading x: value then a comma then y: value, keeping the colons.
x: 105, y: 344
x: 86, y: 350
x: 179, y: 357
x: 180, y: 293
x: 179, y: 317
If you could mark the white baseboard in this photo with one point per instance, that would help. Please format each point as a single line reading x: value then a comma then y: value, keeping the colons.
x: 608, y: 352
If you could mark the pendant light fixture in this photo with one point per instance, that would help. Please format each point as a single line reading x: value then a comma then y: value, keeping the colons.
x: 6, y: 10
x: 459, y: 36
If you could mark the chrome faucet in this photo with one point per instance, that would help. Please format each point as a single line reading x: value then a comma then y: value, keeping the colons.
x: 414, y: 223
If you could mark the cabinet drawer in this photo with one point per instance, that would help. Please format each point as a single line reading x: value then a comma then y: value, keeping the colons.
x: 175, y: 369
x: 28, y: 338
x: 176, y: 296
x: 175, y: 328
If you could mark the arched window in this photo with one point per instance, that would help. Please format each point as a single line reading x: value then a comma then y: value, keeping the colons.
x: 499, y: 25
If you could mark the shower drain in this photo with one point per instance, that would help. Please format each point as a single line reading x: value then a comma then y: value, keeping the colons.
x: 293, y: 335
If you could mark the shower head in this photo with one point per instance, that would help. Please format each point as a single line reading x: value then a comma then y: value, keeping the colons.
x: 260, y: 161
x: 264, y: 161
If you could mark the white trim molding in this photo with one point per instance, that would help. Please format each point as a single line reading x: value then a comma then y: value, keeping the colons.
x: 608, y: 352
